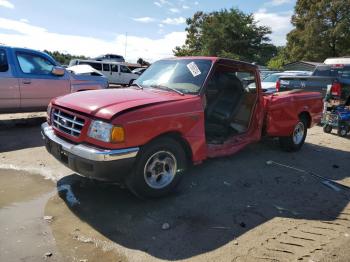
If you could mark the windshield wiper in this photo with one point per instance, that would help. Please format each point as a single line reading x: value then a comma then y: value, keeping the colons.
x: 137, y: 85
x: 167, y: 87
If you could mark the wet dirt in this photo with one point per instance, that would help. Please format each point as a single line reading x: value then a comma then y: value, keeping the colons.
x: 24, y: 233
x: 18, y: 186
x: 227, y: 209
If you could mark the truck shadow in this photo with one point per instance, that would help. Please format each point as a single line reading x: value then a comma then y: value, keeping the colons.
x: 216, y: 202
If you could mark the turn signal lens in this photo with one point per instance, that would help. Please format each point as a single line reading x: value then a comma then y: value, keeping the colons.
x: 117, y: 134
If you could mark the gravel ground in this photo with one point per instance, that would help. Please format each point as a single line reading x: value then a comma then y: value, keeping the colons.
x: 228, y: 209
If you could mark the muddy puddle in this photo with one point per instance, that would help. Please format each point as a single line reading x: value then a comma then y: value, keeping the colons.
x: 18, y: 186
x: 37, y: 222
x: 25, y: 234
x: 75, y: 239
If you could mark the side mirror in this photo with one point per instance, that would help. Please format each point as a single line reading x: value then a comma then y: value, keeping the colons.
x: 58, y: 71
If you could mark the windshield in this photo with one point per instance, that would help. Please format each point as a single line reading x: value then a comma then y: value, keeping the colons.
x: 271, y: 78
x: 186, y: 76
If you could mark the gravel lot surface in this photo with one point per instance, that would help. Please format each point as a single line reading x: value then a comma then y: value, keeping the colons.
x: 228, y: 209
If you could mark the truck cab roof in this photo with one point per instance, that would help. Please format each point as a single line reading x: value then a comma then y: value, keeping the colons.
x: 337, y: 60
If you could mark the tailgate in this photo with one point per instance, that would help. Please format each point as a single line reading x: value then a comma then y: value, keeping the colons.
x: 307, y: 83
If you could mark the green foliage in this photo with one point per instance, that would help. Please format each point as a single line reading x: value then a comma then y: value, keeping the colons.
x: 227, y: 33
x: 278, y: 62
x: 321, y: 30
x: 62, y: 58
x: 143, y: 62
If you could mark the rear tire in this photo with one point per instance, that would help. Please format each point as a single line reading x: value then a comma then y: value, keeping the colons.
x: 159, y: 168
x: 342, y: 131
x: 297, y: 139
x: 327, y: 129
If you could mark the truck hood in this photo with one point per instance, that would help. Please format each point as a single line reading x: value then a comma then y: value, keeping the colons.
x: 107, y: 103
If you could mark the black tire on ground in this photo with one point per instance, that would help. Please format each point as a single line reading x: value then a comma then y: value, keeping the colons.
x: 154, y: 160
x: 291, y: 143
x: 131, y: 81
x: 342, y: 131
x: 327, y: 129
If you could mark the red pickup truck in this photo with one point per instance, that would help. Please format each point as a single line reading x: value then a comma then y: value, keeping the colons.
x: 180, y: 111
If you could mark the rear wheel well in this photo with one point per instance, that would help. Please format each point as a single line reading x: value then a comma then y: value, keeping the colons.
x: 306, y: 115
x: 177, y: 136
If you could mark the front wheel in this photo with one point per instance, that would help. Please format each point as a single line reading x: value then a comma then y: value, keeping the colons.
x: 327, y: 129
x: 159, y: 168
x: 297, y: 139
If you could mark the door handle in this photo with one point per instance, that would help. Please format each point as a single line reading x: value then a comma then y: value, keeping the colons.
x: 26, y: 82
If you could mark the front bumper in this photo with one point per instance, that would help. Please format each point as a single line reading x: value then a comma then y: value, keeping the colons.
x: 101, y: 164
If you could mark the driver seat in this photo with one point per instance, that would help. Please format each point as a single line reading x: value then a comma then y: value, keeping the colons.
x: 225, y: 106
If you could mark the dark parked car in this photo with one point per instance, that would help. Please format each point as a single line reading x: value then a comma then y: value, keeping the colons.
x: 332, y: 80
x: 110, y: 57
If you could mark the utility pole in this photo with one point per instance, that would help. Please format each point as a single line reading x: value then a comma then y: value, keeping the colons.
x: 126, y: 43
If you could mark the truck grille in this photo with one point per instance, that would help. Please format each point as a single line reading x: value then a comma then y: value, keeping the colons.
x: 67, y: 123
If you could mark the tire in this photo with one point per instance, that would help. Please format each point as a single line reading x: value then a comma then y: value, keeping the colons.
x: 342, y: 131
x: 159, y: 168
x: 327, y: 129
x: 297, y: 139
x: 131, y: 81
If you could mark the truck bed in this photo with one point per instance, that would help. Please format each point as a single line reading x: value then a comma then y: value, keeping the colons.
x: 282, y: 111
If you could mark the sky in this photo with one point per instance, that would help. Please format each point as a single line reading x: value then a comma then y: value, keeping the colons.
x: 150, y: 29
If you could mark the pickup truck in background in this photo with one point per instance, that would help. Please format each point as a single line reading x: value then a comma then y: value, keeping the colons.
x: 332, y: 80
x: 29, y: 79
x: 180, y: 111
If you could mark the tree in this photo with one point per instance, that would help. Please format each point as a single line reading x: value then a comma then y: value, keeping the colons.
x: 278, y: 62
x: 321, y: 30
x: 227, y: 33
x: 142, y: 62
x: 63, y: 58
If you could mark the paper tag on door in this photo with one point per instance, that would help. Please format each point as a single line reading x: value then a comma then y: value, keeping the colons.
x: 193, y: 69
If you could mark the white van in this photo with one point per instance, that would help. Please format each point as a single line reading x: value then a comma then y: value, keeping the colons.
x: 117, y: 73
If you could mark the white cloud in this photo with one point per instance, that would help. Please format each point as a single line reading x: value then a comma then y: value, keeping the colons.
x: 21, y: 27
x: 165, y: 2
x: 7, y: 4
x: 196, y: 3
x: 174, y: 10
x: 174, y: 21
x: 25, y: 35
x: 279, y: 2
x: 161, y: 3
x: 160, y: 25
x: 24, y: 20
x: 185, y: 7
x: 278, y: 22
x: 145, y: 19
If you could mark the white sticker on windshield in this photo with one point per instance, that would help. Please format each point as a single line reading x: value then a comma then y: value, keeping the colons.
x: 193, y: 69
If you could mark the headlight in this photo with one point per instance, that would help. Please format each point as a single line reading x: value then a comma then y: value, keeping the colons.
x: 106, y: 132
